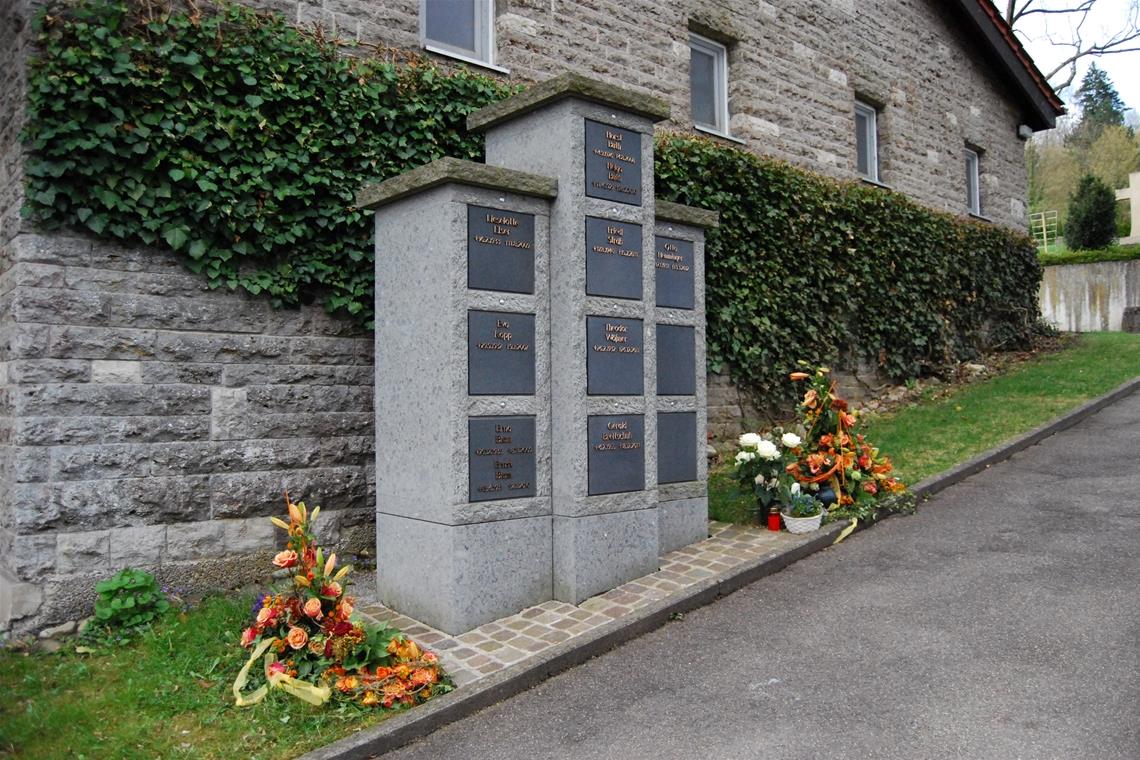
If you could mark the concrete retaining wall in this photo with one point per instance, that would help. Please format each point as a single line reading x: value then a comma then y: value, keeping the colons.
x: 1089, y: 297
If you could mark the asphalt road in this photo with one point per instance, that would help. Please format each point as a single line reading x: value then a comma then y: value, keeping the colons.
x: 1002, y: 621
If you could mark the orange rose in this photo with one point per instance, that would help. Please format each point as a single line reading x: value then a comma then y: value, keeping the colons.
x: 312, y: 608
x: 345, y: 608
x: 848, y: 420
x: 331, y: 589
x: 247, y: 637
x: 297, y: 637
x: 423, y: 676
x: 265, y: 614
x: 287, y: 558
x: 383, y: 672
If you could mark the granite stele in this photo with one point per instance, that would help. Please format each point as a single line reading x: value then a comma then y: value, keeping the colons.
x: 540, y: 345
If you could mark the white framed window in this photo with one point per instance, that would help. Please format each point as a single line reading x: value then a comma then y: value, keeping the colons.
x: 708, y: 84
x: 463, y: 29
x: 866, y: 141
x: 973, y: 184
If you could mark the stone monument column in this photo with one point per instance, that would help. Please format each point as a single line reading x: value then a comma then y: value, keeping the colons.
x: 678, y: 254
x: 463, y: 527
x: 597, y: 140
x: 540, y: 385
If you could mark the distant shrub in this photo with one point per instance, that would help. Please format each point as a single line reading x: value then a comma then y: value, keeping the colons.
x: 1092, y: 215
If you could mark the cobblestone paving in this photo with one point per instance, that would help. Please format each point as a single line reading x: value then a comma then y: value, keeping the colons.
x: 504, y: 642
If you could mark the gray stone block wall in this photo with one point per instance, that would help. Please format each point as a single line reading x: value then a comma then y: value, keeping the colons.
x: 794, y: 71
x: 153, y: 423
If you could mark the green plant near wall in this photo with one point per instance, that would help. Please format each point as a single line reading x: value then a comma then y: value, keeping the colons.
x: 806, y: 268
x: 232, y: 138
x: 125, y: 602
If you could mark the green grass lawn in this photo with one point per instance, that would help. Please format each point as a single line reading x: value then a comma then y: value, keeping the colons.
x: 1060, y: 254
x: 166, y: 695
x: 936, y: 434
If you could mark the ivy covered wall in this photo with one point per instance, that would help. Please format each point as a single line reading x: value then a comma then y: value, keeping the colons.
x: 234, y: 139
x: 804, y: 267
x: 238, y: 141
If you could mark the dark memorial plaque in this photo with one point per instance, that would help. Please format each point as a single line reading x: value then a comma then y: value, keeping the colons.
x: 676, y: 447
x: 673, y: 263
x: 500, y: 353
x: 500, y: 458
x: 613, y: 258
x: 613, y: 163
x: 500, y: 250
x: 617, y: 453
x: 614, y: 357
x: 676, y: 360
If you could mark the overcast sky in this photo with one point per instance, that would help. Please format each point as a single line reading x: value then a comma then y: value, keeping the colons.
x: 1107, y: 16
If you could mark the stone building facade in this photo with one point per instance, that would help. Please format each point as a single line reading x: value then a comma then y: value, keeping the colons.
x: 943, y: 75
x: 147, y: 422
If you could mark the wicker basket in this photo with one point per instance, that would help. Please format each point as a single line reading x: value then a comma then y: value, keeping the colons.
x: 802, y: 524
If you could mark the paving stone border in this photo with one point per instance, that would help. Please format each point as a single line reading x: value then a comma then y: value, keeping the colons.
x: 501, y: 659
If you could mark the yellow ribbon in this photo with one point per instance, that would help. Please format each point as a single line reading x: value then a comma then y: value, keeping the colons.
x: 846, y: 531
x: 303, y: 690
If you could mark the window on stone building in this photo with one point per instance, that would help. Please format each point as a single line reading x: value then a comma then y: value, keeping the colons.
x: 708, y: 84
x: 866, y: 141
x: 459, y: 28
x: 973, y: 185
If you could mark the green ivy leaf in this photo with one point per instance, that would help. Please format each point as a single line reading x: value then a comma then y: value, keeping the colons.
x: 176, y: 237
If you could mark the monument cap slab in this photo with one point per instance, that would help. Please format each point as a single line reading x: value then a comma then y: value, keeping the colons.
x: 457, y: 171
x: 569, y: 85
x: 667, y: 211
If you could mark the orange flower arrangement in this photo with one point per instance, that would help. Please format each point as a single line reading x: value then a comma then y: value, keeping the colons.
x: 834, y: 456
x: 325, y: 653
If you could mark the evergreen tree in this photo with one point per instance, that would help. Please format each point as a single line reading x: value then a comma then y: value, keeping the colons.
x: 1098, y: 99
x: 1100, y: 106
x: 1092, y: 215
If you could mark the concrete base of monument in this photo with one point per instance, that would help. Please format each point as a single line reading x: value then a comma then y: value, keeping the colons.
x: 682, y: 522
x: 595, y: 553
x: 474, y: 573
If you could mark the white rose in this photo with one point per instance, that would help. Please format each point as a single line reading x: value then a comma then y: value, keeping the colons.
x: 759, y: 479
x: 790, y: 440
x: 795, y: 488
x: 767, y: 450
x: 745, y: 456
x: 750, y: 440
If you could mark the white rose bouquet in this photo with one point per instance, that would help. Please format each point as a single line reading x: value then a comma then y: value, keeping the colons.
x: 761, y: 466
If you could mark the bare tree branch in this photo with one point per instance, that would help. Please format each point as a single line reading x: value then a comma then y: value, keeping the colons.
x: 1071, y: 33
